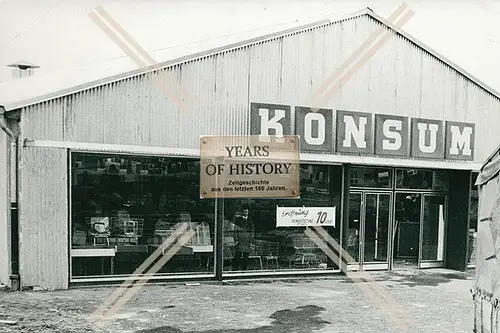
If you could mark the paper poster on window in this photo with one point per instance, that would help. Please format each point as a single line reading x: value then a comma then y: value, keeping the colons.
x: 305, y: 216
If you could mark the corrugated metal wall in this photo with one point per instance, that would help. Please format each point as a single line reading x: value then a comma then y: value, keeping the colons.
x: 4, y: 216
x: 43, y: 208
x: 400, y: 79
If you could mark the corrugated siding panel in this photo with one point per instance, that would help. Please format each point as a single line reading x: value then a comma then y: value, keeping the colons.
x: 232, y: 88
x: 486, y: 114
x: 266, y: 83
x: 400, y: 78
x: 297, y: 67
x: 4, y: 207
x: 46, y: 119
x: 43, y: 212
x: 408, y: 82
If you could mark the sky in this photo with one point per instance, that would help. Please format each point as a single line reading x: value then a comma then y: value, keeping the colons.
x: 58, y: 35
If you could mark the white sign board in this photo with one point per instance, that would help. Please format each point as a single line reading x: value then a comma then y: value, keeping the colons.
x: 305, y: 216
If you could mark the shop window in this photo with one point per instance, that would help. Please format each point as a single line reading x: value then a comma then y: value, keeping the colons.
x: 370, y: 177
x: 253, y: 242
x: 124, y: 207
x: 435, y: 180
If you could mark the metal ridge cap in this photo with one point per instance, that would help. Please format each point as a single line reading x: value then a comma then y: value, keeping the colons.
x: 417, y: 42
x: 16, y: 104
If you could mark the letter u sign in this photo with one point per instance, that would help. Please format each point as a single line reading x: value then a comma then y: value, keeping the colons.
x: 427, y: 138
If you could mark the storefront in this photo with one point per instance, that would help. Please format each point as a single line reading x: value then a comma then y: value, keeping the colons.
x: 105, y: 169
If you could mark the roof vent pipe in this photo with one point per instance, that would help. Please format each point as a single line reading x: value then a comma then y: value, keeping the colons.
x: 22, y: 69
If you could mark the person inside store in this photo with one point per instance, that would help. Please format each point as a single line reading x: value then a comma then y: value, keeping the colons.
x: 111, y: 180
x: 244, y: 238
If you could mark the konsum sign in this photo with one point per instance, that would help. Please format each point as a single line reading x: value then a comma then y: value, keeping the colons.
x: 366, y: 133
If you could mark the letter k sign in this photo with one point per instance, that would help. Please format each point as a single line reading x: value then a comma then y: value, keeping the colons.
x: 270, y: 119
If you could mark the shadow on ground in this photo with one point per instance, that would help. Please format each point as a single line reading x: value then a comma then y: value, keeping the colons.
x: 431, y: 280
x: 416, y: 279
x: 302, y: 319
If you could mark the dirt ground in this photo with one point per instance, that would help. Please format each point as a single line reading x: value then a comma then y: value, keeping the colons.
x: 436, y: 300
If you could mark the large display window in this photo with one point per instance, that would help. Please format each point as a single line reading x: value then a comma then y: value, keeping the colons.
x: 420, y: 179
x: 370, y: 177
x: 124, y: 207
x: 253, y: 242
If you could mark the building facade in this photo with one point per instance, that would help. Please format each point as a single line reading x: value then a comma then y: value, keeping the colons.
x: 104, y: 170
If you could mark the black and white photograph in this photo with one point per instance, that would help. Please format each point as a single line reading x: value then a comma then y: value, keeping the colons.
x: 249, y: 166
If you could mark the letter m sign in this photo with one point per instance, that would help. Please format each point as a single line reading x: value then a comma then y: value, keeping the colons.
x: 459, y: 141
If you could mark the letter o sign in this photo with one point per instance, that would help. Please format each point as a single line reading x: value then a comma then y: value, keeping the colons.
x: 308, y: 123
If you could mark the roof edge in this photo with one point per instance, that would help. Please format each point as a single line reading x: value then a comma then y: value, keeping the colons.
x: 435, y: 54
x: 249, y: 42
x: 191, y: 57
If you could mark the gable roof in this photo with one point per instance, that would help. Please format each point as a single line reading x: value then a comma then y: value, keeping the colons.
x: 20, y: 93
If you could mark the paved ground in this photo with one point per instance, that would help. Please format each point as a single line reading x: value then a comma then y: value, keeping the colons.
x: 438, y: 301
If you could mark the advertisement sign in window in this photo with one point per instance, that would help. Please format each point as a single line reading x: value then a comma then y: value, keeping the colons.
x: 305, y: 216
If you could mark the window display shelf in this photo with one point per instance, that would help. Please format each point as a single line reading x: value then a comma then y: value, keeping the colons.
x: 201, y: 248
x: 93, y: 251
x: 182, y: 251
x: 96, y: 252
x: 126, y: 248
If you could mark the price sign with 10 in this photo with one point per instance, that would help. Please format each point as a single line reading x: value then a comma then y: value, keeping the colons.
x: 305, y: 216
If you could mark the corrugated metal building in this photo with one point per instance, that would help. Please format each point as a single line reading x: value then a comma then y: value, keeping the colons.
x: 129, y: 115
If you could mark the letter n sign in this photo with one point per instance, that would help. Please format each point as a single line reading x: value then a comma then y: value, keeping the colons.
x: 270, y: 119
x: 459, y: 141
x: 314, y: 128
x: 354, y: 132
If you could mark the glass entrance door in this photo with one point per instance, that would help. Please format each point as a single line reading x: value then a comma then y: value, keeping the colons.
x: 406, y: 230
x: 418, y: 234
x: 375, y: 230
x: 368, y: 229
x: 432, y: 231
